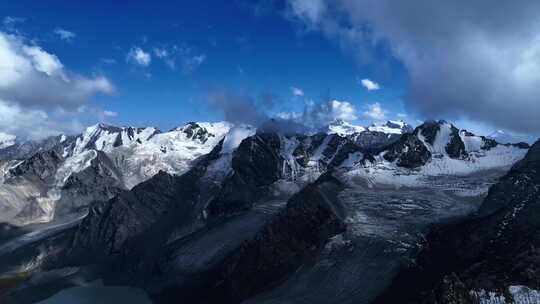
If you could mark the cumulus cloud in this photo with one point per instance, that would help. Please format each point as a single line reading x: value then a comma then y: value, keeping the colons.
x: 32, y: 76
x: 297, y: 92
x: 375, y: 112
x: 36, y: 90
x: 370, y: 85
x: 65, y: 34
x: 32, y: 123
x: 474, y: 59
x: 137, y: 56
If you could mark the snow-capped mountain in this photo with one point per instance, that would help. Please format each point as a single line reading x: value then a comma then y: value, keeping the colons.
x: 319, y: 206
x: 391, y: 127
x: 125, y: 156
x: 372, y: 137
x: 344, y: 128
x: 434, y: 149
x: 505, y: 137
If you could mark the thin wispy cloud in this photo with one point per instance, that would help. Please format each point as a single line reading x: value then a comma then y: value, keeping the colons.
x: 186, y: 58
x: 375, y: 112
x: 65, y: 34
x: 10, y: 20
x: 110, y: 113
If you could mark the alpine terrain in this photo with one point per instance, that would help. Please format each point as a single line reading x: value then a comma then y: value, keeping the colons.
x: 230, y: 213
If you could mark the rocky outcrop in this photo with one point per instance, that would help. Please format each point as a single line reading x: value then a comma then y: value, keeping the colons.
x: 409, y: 152
x: 455, y: 147
x: 196, y: 132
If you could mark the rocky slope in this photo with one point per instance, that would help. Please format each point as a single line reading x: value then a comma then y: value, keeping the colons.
x: 490, y: 258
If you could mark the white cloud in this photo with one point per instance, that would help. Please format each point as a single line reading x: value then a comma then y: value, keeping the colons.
x: 343, y: 110
x: 137, y: 56
x: 370, y: 85
x: 110, y: 113
x: 65, y: 34
x: 34, y: 124
x: 297, y: 92
x: 288, y: 115
x: 375, y: 112
x: 32, y: 76
x: 38, y: 95
x: 486, y: 68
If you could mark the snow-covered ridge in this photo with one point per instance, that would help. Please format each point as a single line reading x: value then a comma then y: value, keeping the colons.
x: 140, y: 153
x: 435, y: 149
x: 391, y: 127
x: 344, y: 128
x: 6, y: 140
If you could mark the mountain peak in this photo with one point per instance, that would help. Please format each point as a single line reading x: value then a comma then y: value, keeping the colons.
x: 343, y: 128
x: 391, y: 127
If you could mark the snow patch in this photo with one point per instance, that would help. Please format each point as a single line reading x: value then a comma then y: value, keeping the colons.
x: 235, y: 136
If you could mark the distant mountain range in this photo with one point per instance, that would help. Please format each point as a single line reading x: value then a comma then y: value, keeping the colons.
x: 224, y: 213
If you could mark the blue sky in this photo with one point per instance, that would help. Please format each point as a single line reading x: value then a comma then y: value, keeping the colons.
x: 244, y: 50
x: 161, y: 62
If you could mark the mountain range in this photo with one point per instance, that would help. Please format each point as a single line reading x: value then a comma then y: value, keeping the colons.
x: 230, y: 213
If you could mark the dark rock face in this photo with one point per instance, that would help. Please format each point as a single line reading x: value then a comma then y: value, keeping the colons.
x: 256, y: 164
x: 42, y: 165
x: 110, y: 225
x: 491, y: 251
x: 308, y: 145
x: 372, y: 140
x: 456, y: 148
x: 296, y: 233
x: 429, y: 130
x: 99, y: 182
x: 409, y: 152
